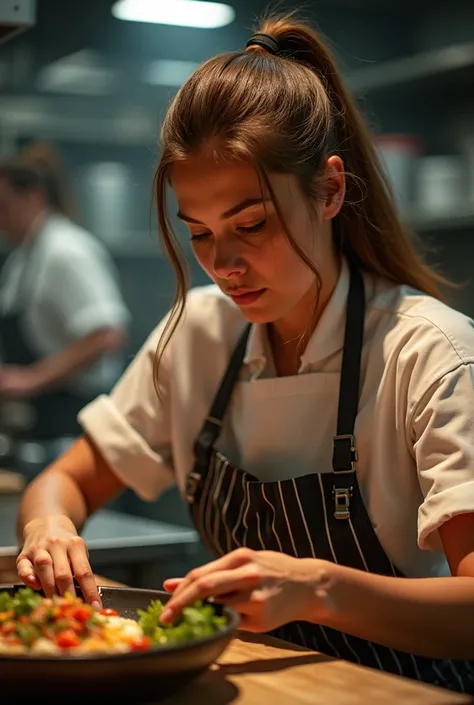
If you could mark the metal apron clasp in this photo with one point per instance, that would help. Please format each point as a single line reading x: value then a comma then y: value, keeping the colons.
x: 342, y: 498
x: 342, y: 495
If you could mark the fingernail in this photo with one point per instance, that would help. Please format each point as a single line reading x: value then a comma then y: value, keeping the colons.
x: 167, y: 615
x: 31, y: 579
x: 171, y: 584
x: 96, y: 605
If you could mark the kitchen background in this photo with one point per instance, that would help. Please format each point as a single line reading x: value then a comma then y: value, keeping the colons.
x: 97, y: 86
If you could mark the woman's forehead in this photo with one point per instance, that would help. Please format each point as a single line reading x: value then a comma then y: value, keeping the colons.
x: 203, y: 182
x: 200, y: 182
x: 212, y: 170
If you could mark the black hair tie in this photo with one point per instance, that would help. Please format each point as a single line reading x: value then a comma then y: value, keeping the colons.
x: 264, y: 40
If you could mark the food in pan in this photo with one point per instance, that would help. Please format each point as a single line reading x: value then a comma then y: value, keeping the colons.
x: 67, y: 626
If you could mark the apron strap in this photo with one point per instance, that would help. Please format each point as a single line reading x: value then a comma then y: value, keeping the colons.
x: 344, y: 450
x: 213, y: 423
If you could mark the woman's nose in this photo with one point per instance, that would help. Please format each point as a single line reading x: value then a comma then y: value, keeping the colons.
x: 228, y: 261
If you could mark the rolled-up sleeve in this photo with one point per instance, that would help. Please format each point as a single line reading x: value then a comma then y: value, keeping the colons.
x: 443, y: 430
x: 130, y: 427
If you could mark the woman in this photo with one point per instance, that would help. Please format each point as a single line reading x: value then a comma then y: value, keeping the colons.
x: 326, y: 450
x: 62, y: 318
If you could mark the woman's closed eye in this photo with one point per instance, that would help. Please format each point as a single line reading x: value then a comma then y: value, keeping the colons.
x: 258, y: 227
x: 242, y: 229
x: 199, y: 237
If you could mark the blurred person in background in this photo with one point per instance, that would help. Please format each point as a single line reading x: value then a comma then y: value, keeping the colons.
x: 63, y: 321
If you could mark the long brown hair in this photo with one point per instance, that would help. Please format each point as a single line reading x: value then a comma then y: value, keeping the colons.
x: 287, y: 113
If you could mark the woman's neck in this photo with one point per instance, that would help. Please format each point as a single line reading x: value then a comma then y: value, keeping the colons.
x: 289, y: 336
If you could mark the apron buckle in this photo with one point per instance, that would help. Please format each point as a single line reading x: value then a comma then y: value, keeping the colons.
x: 342, y: 498
x: 194, y: 478
x: 345, y: 454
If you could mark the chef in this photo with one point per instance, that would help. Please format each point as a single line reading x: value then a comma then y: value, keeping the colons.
x: 314, y: 404
x: 63, y: 321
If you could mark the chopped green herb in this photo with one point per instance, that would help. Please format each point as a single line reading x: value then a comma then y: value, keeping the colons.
x: 196, y: 622
x: 28, y: 633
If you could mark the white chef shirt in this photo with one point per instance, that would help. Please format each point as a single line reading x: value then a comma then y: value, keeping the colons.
x: 69, y: 288
x: 414, y: 429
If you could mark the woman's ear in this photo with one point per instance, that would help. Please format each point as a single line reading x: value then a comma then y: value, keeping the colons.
x: 335, y: 183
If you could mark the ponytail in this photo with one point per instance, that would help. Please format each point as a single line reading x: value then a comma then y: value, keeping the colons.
x: 369, y: 231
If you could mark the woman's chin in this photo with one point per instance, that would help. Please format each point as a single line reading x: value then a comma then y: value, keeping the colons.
x: 258, y: 315
x: 262, y: 311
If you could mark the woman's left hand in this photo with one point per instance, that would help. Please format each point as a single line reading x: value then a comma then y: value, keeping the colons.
x: 268, y: 589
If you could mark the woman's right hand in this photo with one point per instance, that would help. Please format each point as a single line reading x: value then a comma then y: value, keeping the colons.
x: 53, y: 555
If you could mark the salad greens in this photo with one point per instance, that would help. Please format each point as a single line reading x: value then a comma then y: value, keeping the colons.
x: 196, y: 622
x: 67, y: 622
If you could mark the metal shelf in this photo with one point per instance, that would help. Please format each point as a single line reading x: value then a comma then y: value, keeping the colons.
x: 37, y: 115
x: 411, y: 69
x: 458, y: 219
x: 24, y: 116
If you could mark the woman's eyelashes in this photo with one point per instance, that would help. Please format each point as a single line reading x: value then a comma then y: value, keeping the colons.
x: 199, y: 237
x: 258, y: 227
x: 242, y: 229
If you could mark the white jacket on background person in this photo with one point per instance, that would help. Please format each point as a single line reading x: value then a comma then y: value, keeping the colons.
x: 71, y: 289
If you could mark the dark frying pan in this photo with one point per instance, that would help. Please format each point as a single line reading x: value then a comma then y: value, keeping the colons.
x: 124, y: 678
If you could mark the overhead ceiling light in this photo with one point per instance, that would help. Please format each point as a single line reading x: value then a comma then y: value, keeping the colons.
x: 168, y: 72
x: 184, y: 13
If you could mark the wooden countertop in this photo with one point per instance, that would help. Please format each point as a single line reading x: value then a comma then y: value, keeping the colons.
x: 258, y: 670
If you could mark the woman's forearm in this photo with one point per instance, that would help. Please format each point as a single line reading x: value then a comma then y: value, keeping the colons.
x: 72, y: 488
x: 56, y: 493
x: 51, y: 494
x: 432, y: 617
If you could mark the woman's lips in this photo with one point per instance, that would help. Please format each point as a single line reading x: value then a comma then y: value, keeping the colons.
x: 246, y: 298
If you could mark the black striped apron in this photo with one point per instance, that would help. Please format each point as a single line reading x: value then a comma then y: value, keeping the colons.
x: 321, y: 515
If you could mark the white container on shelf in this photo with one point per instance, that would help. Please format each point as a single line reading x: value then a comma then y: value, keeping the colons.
x: 398, y: 154
x: 441, y: 184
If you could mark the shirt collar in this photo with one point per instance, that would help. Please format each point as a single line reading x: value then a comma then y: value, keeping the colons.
x: 327, y: 338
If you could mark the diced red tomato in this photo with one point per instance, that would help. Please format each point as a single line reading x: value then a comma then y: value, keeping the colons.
x: 109, y: 612
x: 8, y: 628
x: 76, y: 626
x: 141, y: 643
x: 82, y: 614
x: 67, y: 639
x: 24, y: 620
